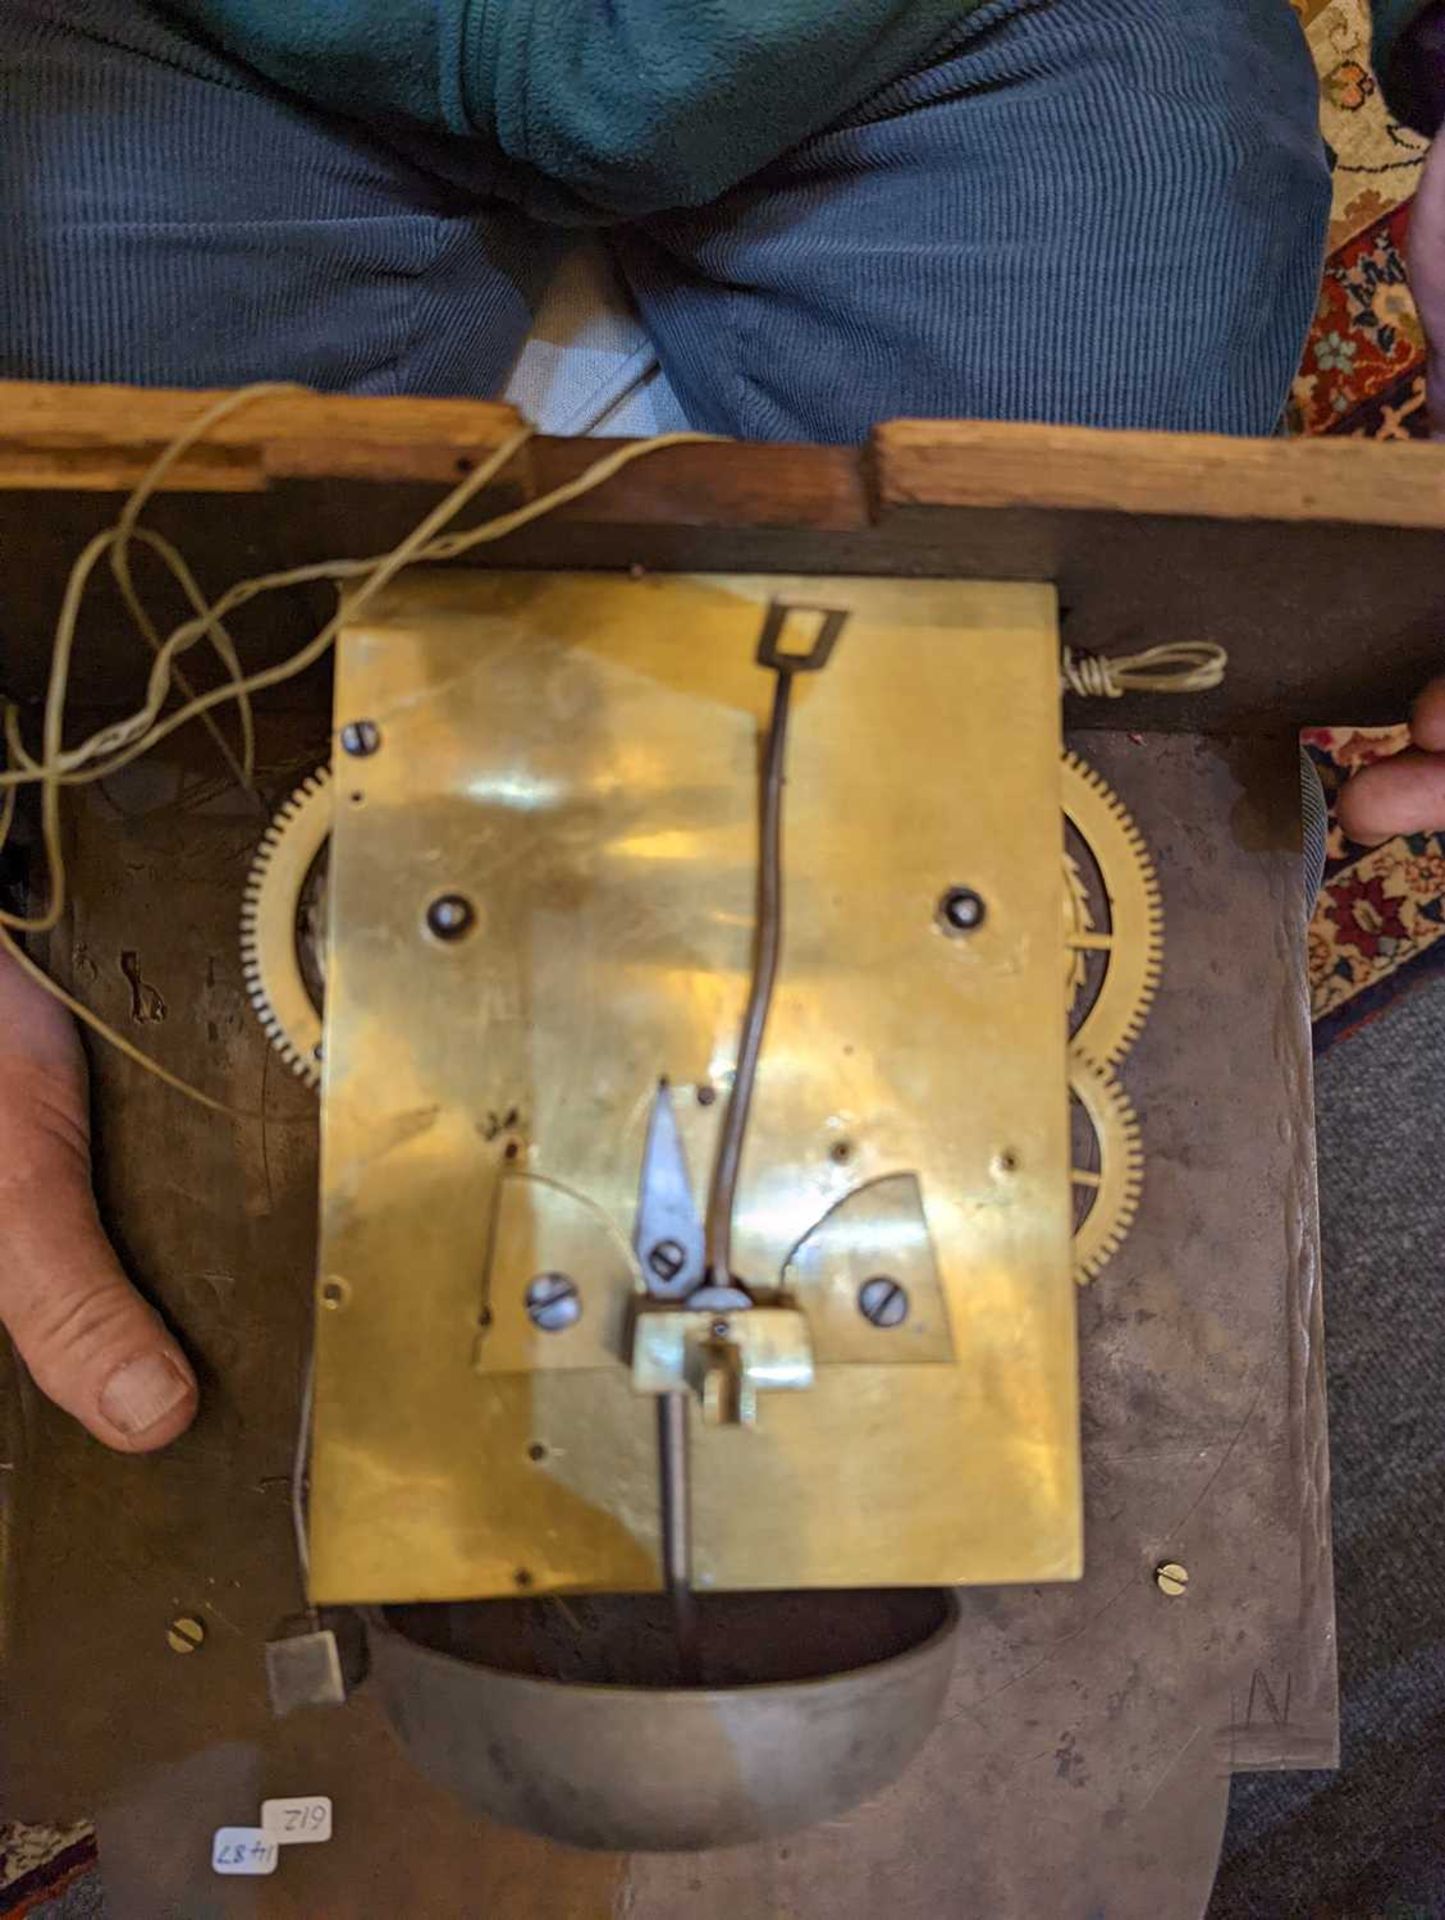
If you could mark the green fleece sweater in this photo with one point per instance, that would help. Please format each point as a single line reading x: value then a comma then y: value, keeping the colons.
x: 617, y: 107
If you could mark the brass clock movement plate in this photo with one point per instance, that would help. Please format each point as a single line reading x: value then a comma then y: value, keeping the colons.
x: 540, y: 907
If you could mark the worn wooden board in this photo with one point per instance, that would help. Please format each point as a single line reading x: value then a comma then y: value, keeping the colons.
x: 99, y: 438
x: 1085, y: 1757
x: 1082, y: 1765
x: 216, y: 1218
x: 1320, y: 564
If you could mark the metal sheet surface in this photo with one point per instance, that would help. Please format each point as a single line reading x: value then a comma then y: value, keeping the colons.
x: 578, y: 756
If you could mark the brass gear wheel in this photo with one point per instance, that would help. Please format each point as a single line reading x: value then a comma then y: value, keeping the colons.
x: 1107, y: 1192
x: 282, y: 925
x: 1131, y: 936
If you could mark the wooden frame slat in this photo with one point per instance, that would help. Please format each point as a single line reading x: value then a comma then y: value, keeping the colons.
x: 1319, y: 564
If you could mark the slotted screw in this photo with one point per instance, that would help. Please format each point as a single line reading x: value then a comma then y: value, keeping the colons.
x: 667, y: 1259
x: 1171, y: 1578
x: 553, y: 1303
x: 883, y: 1302
x: 185, y: 1633
x: 360, y: 738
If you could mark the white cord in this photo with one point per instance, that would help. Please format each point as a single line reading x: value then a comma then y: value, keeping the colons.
x: 1180, y: 666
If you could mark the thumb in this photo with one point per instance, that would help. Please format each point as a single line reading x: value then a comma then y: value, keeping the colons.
x: 1404, y: 794
x: 93, y: 1345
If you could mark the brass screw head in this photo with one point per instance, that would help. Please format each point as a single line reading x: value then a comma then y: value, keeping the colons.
x: 1171, y: 1578
x: 185, y: 1633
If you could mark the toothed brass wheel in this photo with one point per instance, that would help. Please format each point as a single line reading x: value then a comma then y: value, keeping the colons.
x: 283, y: 925
x: 1107, y: 1163
x: 1113, y: 919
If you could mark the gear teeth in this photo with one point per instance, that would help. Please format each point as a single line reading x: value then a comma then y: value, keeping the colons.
x: 268, y: 910
x: 1077, y: 916
x: 1127, y: 868
x: 1121, y: 1164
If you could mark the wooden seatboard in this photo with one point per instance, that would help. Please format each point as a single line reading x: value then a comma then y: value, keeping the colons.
x: 1319, y: 564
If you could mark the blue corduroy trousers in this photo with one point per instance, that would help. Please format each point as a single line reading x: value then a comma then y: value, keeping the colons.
x: 1100, y: 211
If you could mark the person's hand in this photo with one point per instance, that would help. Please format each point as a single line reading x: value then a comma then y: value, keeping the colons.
x: 90, y: 1341
x: 1406, y: 793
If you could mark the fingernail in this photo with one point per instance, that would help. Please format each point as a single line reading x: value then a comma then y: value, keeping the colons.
x: 142, y: 1392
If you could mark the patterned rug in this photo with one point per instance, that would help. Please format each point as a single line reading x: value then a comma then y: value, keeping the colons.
x: 49, y: 1873
x: 1381, y: 914
x: 1379, y: 922
x: 1363, y: 371
x: 1379, y: 927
